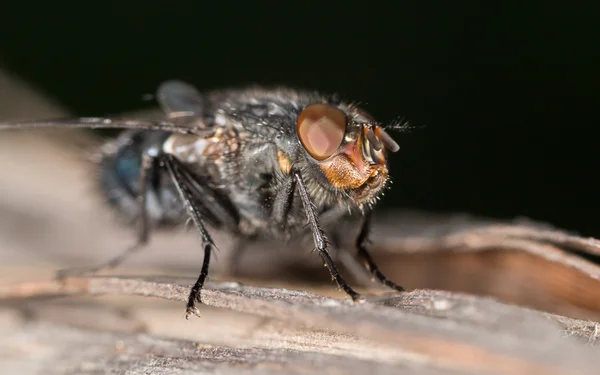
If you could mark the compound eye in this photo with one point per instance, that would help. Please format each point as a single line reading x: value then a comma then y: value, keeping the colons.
x: 321, y: 129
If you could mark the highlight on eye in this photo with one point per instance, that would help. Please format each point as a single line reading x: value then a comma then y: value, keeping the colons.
x: 321, y: 129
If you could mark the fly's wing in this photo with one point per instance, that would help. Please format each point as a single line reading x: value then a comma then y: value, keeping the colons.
x: 177, y: 99
x: 181, y: 102
x: 104, y: 123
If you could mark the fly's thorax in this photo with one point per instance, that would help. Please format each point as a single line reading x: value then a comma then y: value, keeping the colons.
x: 339, y: 149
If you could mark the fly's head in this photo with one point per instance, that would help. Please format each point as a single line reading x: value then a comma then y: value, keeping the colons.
x: 347, y: 148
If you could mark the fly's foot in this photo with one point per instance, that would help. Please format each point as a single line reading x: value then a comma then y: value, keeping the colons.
x: 358, y: 298
x: 194, y: 297
x: 191, y: 310
x: 396, y: 287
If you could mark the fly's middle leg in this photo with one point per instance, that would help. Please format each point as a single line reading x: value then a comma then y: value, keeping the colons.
x: 182, y: 181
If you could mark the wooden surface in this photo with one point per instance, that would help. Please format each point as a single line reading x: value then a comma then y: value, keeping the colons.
x: 485, y: 296
x: 422, y: 329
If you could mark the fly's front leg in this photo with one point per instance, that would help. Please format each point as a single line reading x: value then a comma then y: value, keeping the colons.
x: 320, y: 238
x: 181, y: 180
x: 143, y: 230
x: 361, y: 244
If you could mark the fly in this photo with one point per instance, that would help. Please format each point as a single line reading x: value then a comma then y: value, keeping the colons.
x: 257, y: 163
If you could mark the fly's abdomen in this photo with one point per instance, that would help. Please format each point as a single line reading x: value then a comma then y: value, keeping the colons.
x: 119, y: 177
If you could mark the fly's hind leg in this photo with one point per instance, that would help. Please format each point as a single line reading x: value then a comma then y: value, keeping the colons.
x: 143, y: 231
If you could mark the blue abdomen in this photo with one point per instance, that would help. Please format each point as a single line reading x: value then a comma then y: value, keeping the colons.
x: 120, y: 170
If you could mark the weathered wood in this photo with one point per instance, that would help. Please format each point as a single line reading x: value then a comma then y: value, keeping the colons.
x: 475, y: 334
x: 119, y: 353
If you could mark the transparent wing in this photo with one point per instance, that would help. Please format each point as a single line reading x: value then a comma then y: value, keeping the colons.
x: 177, y: 99
x: 107, y: 123
x: 181, y: 102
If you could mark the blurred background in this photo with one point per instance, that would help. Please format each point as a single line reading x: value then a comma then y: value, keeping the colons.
x: 504, y: 97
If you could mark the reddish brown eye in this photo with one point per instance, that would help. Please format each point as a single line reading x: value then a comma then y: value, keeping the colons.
x: 321, y: 129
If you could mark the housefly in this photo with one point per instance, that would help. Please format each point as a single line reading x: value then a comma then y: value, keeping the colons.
x: 257, y: 163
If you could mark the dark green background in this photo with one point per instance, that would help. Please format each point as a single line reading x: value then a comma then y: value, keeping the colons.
x: 506, y: 95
